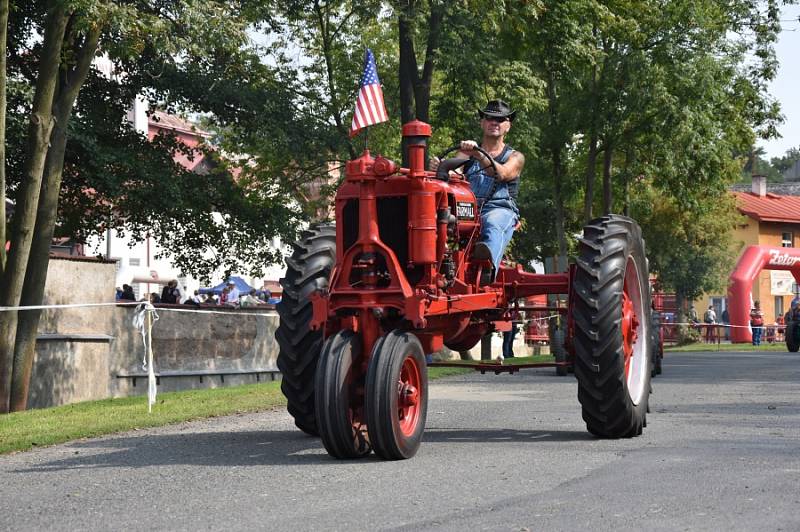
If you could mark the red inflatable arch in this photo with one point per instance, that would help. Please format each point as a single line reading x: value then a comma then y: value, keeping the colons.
x: 753, y: 260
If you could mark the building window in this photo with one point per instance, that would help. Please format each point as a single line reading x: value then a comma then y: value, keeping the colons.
x: 134, y: 262
x: 778, y: 306
x: 787, y: 240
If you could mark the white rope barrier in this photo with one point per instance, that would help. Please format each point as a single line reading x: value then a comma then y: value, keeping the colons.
x: 704, y: 325
x: 71, y: 305
x: 136, y: 303
x: 143, y: 319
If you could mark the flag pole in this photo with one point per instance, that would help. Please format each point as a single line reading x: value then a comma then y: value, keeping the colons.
x: 366, y: 139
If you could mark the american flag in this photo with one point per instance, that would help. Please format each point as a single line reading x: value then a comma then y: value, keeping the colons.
x: 370, y: 108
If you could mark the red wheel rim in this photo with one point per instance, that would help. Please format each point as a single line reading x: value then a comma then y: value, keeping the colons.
x: 630, y: 325
x: 409, y: 391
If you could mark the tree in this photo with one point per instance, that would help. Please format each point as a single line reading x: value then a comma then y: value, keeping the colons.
x: 781, y: 164
x: 66, y: 37
x: 3, y: 106
x: 690, y: 249
x: 40, y: 127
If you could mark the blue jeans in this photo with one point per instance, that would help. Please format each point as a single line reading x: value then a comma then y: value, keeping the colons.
x: 497, y: 228
x: 757, y: 334
x: 508, y: 341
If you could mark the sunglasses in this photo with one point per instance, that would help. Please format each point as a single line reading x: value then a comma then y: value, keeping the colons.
x: 498, y: 119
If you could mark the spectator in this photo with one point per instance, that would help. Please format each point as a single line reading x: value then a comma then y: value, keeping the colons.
x: 508, y: 341
x: 726, y: 321
x: 692, y: 315
x: 223, y: 296
x: 710, y: 319
x: 250, y: 300
x: 233, y: 294
x: 154, y: 298
x: 756, y: 322
x: 170, y: 293
x: 779, y: 328
x: 117, y: 293
x: 194, y: 300
x: 508, y: 337
x: 127, y: 293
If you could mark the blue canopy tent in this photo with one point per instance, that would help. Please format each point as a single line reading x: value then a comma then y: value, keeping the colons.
x: 240, y: 283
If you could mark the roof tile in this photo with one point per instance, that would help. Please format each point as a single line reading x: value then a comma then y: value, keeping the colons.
x: 769, y: 208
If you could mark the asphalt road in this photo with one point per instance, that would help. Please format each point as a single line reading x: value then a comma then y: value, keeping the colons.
x: 721, y: 452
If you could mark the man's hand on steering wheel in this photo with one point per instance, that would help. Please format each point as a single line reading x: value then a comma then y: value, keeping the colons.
x: 465, y: 147
x: 468, y: 147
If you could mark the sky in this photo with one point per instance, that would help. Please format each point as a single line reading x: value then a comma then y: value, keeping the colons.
x: 786, y: 86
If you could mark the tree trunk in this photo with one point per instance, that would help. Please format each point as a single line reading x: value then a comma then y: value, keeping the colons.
x: 39, y: 129
x: 422, y: 89
x: 608, y: 191
x: 626, y: 207
x: 682, y: 317
x: 47, y: 212
x: 408, y: 69
x: 556, y: 155
x: 561, y: 234
x: 591, y: 176
x: 408, y: 61
x: 415, y: 90
x: 591, y: 159
x: 3, y: 39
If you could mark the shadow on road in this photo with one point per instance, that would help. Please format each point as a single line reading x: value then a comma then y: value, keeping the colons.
x: 500, y: 435
x: 251, y: 448
x: 254, y: 448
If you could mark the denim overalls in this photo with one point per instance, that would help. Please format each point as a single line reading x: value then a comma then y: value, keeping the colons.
x: 499, y: 213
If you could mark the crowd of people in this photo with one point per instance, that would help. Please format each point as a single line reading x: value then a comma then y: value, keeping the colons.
x: 760, y: 329
x: 230, y: 296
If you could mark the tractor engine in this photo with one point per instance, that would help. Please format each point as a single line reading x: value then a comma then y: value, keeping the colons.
x: 402, y: 241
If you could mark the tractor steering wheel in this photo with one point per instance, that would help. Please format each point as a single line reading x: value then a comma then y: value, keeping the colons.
x: 447, y: 165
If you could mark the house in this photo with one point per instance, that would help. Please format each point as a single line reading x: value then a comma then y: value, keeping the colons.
x: 770, y: 217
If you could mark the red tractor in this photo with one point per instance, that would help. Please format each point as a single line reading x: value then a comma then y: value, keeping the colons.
x: 366, y: 299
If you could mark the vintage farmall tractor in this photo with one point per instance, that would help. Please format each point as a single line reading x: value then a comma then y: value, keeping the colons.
x: 366, y: 299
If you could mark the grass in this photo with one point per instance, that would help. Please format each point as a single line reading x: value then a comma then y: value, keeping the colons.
x: 21, y: 431
x: 777, y: 346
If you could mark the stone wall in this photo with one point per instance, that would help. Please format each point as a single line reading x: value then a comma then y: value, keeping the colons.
x: 183, y: 341
x: 71, y: 362
x: 80, y: 353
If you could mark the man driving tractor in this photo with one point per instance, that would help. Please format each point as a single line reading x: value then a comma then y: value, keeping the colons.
x: 495, y: 191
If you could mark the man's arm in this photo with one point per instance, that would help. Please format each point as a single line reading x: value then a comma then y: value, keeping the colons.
x: 507, y: 171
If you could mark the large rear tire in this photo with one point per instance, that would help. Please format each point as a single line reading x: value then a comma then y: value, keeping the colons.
x: 612, y: 327
x: 397, y: 396
x: 793, y: 335
x: 308, y: 270
x: 340, y: 409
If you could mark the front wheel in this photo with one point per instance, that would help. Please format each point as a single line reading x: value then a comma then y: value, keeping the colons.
x: 339, y: 407
x: 397, y: 395
x: 612, y: 327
